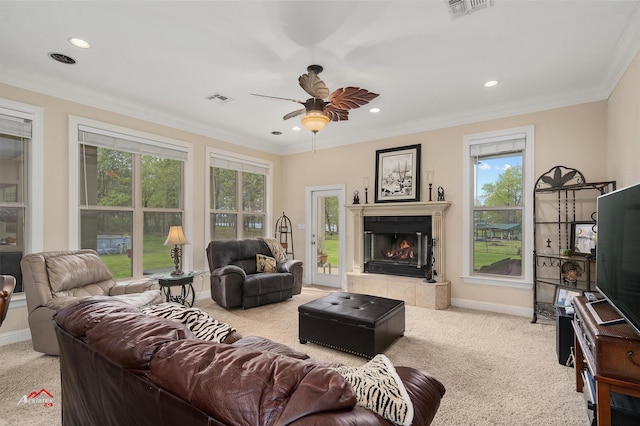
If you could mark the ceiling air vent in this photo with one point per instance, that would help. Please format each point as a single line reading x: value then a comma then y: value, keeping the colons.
x: 459, y: 8
x: 62, y: 58
x: 219, y: 98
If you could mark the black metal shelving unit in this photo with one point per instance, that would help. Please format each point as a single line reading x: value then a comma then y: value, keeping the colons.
x: 562, y: 198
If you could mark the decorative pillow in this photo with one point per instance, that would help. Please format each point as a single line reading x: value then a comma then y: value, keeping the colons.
x: 378, y: 387
x: 266, y: 263
x: 196, y: 320
x: 276, y: 249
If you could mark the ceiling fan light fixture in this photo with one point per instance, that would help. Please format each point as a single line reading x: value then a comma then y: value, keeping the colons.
x: 315, y: 121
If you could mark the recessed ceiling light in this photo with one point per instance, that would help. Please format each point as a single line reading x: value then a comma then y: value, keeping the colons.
x: 491, y: 83
x: 374, y: 110
x: 78, y: 42
x: 296, y: 129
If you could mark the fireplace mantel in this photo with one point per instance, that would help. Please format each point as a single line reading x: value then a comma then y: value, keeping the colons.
x: 438, y: 293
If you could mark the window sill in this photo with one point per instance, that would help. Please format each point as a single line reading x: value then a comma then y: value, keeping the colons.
x: 498, y: 281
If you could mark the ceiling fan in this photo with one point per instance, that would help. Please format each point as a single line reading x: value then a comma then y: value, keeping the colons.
x: 318, y: 111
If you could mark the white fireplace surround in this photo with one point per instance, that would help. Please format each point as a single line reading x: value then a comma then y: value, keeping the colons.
x: 414, y: 291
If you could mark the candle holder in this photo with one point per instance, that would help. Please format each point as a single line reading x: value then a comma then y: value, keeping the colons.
x: 366, y: 190
x: 430, y: 176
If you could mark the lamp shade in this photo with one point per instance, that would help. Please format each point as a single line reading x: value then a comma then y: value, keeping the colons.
x: 315, y: 120
x: 176, y: 236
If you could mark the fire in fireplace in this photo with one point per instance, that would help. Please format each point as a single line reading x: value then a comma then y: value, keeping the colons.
x: 397, y: 245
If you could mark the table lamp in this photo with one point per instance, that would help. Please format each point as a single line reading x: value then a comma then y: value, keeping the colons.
x: 177, y: 238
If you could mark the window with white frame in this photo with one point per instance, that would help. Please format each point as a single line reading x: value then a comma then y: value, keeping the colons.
x: 237, y: 197
x: 20, y: 186
x: 498, y: 188
x: 131, y: 190
x: 15, y: 138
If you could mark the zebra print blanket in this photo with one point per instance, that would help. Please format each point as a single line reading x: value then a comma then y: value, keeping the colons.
x: 378, y: 387
x: 198, y: 321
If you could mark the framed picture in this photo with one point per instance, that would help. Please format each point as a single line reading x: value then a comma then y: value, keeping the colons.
x: 564, y: 297
x: 398, y: 174
x: 583, y: 238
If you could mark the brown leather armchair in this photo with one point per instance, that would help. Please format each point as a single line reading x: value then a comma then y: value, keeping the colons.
x: 53, y: 280
x: 7, y: 285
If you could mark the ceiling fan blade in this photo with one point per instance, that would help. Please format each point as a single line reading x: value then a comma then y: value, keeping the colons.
x: 294, y: 114
x: 351, y: 97
x: 312, y: 84
x: 276, y: 97
x: 336, y: 114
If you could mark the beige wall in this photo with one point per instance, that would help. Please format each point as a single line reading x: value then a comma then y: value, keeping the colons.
x: 623, y: 134
x: 601, y: 139
x: 573, y: 137
x: 56, y: 176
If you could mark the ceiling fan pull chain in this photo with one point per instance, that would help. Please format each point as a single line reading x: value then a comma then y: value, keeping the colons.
x: 313, y: 143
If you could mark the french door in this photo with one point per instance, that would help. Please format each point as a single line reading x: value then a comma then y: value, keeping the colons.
x: 325, y: 235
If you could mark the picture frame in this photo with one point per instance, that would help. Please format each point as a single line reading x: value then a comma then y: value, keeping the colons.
x: 564, y: 297
x: 583, y: 238
x: 398, y: 174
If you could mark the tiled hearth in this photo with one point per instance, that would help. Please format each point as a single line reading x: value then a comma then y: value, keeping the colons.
x: 414, y: 291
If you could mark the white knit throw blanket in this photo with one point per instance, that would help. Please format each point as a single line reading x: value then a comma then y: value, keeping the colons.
x: 276, y: 249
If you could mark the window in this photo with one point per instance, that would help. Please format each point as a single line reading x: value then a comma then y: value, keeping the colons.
x: 498, y: 190
x: 20, y: 185
x: 131, y: 189
x: 237, y: 197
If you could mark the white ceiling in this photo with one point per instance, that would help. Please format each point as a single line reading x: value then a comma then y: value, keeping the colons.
x: 160, y: 61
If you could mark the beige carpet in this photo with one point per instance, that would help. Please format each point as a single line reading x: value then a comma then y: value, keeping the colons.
x: 498, y: 369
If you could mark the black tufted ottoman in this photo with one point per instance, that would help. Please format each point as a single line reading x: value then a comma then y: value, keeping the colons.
x: 362, y: 324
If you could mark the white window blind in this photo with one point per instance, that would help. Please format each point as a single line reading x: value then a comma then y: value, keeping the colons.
x: 15, y: 126
x: 239, y: 165
x: 497, y: 147
x: 128, y: 143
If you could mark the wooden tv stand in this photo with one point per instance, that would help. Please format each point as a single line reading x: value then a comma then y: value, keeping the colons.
x: 611, y: 353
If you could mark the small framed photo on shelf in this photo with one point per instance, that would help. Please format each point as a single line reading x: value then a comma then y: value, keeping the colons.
x: 583, y: 238
x: 564, y: 297
x: 398, y: 174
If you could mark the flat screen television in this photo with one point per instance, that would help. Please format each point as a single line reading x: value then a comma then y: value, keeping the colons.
x: 618, y: 251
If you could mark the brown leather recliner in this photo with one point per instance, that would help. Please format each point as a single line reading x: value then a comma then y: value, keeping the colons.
x: 235, y: 280
x: 53, y: 280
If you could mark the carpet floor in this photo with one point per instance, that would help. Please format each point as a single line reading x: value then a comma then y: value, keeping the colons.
x: 498, y: 369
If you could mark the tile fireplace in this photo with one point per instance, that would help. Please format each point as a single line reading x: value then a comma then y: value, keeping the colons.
x: 396, y: 247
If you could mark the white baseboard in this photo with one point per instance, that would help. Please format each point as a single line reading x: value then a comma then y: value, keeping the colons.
x: 204, y: 294
x: 493, y: 307
x: 15, y: 336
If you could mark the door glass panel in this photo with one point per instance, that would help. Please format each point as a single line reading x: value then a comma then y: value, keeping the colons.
x: 327, y: 241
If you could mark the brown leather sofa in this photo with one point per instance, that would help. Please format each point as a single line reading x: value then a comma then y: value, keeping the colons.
x: 122, y: 367
x: 55, y: 279
x: 235, y: 280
